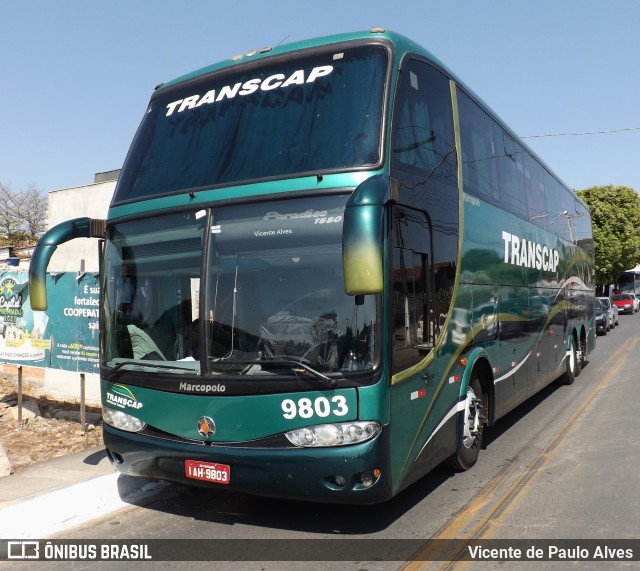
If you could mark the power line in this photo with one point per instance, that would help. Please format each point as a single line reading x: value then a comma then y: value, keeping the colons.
x: 581, y: 134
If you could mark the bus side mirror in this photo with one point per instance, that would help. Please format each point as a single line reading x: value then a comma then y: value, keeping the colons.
x: 76, y: 228
x: 362, y: 237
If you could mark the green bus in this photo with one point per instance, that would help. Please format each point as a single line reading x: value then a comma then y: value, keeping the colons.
x: 326, y: 268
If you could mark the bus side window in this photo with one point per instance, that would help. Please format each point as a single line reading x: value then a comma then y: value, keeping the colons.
x: 582, y: 227
x: 423, y: 136
x: 536, y: 199
x: 480, y: 148
x: 511, y: 175
x: 493, y: 163
x: 414, y: 328
x: 561, y: 206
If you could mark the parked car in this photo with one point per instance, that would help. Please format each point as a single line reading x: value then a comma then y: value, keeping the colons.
x: 624, y: 302
x: 602, y: 319
x: 612, y: 310
x: 636, y: 302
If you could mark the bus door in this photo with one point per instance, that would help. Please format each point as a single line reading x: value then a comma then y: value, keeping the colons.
x: 413, y: 331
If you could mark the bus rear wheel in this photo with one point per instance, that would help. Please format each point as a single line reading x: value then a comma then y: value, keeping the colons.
x: 470, y: 434
x: 572, y: 364
x: 579, y: 357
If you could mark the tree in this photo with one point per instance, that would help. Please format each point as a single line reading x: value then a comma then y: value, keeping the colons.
x: 615, y: 214
x: 9, y: 218
x: 33, y: 211
x: 23, y: 215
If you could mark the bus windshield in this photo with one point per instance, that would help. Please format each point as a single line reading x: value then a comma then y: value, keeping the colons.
x: 305, y: 114
x: 627, y: 282
x: 152, y: 281
x: 271, y: 301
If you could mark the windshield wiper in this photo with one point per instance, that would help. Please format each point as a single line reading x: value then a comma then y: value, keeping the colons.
x: 279, y: 361
x: 141, y: 365
x: 293, y: 362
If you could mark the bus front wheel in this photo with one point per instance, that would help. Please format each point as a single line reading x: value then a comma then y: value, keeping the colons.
x: 470, y: 433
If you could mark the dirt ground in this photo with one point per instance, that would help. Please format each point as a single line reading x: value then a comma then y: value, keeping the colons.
x: 46, y: 436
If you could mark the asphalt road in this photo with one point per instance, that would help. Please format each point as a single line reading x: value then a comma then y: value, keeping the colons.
x: 563, y: 466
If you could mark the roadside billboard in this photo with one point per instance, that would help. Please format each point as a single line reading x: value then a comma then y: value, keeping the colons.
x: 66, y: 336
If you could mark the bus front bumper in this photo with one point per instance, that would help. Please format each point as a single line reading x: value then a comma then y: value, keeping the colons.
x: 354, y: 474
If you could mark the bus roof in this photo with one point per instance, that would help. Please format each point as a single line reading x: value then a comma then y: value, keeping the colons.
x: 401, y: 45
x: 400, y: 42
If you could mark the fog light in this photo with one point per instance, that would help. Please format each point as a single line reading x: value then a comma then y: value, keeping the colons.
x: 339, y: 480
x: 366, y: 479
x: 335, y: 482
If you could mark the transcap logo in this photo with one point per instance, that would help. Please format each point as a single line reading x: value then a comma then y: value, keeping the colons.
x: 529, y: 254
x: 121, y: 397
x: 276, y: 81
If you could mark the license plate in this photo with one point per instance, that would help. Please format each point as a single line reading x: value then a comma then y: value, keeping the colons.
x: 207, y: 471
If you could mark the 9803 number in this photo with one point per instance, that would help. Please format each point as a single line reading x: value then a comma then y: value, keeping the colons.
x: 321, y: 406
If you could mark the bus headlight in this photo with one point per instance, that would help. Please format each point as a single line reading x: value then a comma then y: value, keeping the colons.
x: 334, y: 434
x: 122, y: 420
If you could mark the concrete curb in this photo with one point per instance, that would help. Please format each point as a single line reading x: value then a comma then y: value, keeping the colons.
x: 52, y: 497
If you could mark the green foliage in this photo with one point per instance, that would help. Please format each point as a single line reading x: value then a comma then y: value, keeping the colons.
x: 615, y: 214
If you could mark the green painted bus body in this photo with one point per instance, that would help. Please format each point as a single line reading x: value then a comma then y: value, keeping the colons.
x: 511, y: 320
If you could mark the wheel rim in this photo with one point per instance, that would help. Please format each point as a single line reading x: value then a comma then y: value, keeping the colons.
x: 572, y: 358
x: 472, y: 418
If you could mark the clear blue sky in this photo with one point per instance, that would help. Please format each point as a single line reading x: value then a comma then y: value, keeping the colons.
x: 76, y: 75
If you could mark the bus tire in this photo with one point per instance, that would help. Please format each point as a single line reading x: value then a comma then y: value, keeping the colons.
x: 571, y: 364
x: 579, y: 358
x: 472, y: 426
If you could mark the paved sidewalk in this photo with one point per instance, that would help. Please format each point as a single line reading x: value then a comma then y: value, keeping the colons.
x: 54, y: 496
